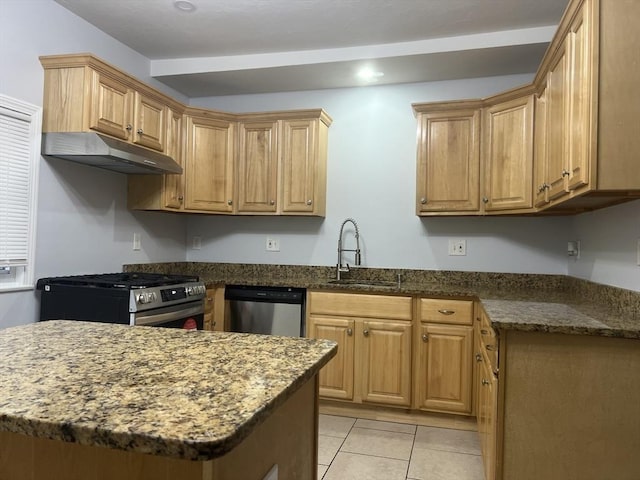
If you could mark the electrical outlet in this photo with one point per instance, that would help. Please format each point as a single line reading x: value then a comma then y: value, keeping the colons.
x: 457, y: 247
x: 197, y: 242
x: 272, y: 245
x: 136, y: 241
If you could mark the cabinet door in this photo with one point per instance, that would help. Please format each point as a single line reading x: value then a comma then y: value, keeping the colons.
x: 487, y: 417
x: 508, y: 155
x: 299, y: 160
x: 540, y: 150
x: 110, y: 110
x: 336, y: 377
x: 209, y: 165
x: 444, y: 370
x: 149, y: 127
x: 386, y: 362
x: 174, y: 184
x: 580, y: 136
x: 448, y: 162
x: 258, y: 167
x: 557, y: 123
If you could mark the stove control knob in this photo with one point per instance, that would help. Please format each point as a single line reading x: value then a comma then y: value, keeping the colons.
x: 142, y: 298
x: 153, y: 297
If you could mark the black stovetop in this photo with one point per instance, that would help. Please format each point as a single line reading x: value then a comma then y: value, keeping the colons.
x: 126, y: 280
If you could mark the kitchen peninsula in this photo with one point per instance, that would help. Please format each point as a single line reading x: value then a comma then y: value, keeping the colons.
x: 93, y: 401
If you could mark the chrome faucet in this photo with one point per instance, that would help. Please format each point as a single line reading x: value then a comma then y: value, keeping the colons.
x: 358, y: 259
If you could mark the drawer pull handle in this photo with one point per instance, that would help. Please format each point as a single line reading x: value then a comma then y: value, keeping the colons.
x: 485, y: 382
x: 444, y: 311
x: 478, y: 357
x: 365, y: 332
x: 349, y: 331
x: 491, y: 348
x: 425, y: 337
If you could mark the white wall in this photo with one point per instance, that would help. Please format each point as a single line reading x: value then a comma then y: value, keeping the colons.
x: 83, y: 224
x: 609, y: 246
x: 371, y: 170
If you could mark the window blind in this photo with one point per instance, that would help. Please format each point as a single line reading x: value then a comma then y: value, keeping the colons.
x: 19, y: 155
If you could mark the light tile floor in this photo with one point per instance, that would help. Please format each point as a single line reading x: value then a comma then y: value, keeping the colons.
x: 355, y: 448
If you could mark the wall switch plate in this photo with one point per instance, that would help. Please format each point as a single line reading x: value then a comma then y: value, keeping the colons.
x: 457, y: 247
x: 136, y: 241
x: 197, y: 242
x: 272, y: 245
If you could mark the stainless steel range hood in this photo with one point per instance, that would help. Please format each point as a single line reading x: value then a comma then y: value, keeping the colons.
x: 105, y: 152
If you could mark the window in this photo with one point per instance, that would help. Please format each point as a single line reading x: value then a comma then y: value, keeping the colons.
x: 20, y: 125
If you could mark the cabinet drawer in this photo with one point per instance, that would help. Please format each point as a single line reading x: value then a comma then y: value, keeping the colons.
x: 359, y: 305
x: 456, y: 312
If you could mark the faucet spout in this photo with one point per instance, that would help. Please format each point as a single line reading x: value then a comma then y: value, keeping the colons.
x: 340, y: 268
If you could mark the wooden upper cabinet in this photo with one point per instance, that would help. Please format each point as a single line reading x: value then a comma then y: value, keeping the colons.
x: 508, y: 154
x: 558, y: 91
x: 174, y: 184
x: 581, y: 100
x: 540, y: 186
x: 110, y: 106
x: 83, y: 93
x: 149, y: 122
x: 258, y: 166
x: 448, y: 158
x: 304, y: 166
x: 210, y: 164
x: 282, y: 162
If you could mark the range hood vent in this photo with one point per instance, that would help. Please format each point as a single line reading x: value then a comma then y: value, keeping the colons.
x: 109, y: 153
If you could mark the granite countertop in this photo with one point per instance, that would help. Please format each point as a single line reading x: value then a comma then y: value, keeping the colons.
x: 184, y: 394
x: 525, y: 302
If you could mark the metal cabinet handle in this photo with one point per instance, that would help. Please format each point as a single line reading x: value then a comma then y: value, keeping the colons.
x: 309, y: 202
x: 129, y: 127
x: 272, y: 202
x: 565, y: 173
x: 541, y: 188
x: 349, y: 331
x: 447, y: 312
x: 365, y: 332
x: 485, y: 200
x: 425, y: 337
x: 139, y: 131
x: 485, y: 382
x: 478, y: 357
x: 229, y: 202
x: 181, y: 198
x: 423, y: 200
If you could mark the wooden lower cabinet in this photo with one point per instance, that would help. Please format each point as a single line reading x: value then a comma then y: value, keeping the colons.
x: 214, y: 318
x: 336, y: 378
x: 443, y: 344
x: 487, y: 417
x: 373, y: 332
x: 444, y: 370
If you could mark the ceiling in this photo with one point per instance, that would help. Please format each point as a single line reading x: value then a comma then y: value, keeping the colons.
x: 229, y: 47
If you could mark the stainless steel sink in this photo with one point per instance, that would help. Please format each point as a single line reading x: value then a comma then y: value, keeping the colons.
x: 363, y: 283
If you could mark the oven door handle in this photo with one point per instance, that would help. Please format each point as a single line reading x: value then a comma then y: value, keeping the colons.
x: 178, y: 312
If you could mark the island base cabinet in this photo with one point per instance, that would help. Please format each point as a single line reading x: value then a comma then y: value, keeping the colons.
x: 569, y: 407
x: 287, y: 438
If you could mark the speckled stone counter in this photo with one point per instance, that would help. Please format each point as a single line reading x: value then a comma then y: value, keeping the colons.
x: 525, y: 302
x: 184, y: 394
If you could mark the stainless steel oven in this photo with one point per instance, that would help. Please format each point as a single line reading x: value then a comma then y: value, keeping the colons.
x: 175, y: 301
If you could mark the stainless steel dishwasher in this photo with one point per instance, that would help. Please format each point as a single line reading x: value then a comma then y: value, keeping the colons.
x: 266, y: 310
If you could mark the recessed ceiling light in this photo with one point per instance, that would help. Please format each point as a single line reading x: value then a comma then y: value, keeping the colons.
x: 184, y: 5
x: 369, y: 75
